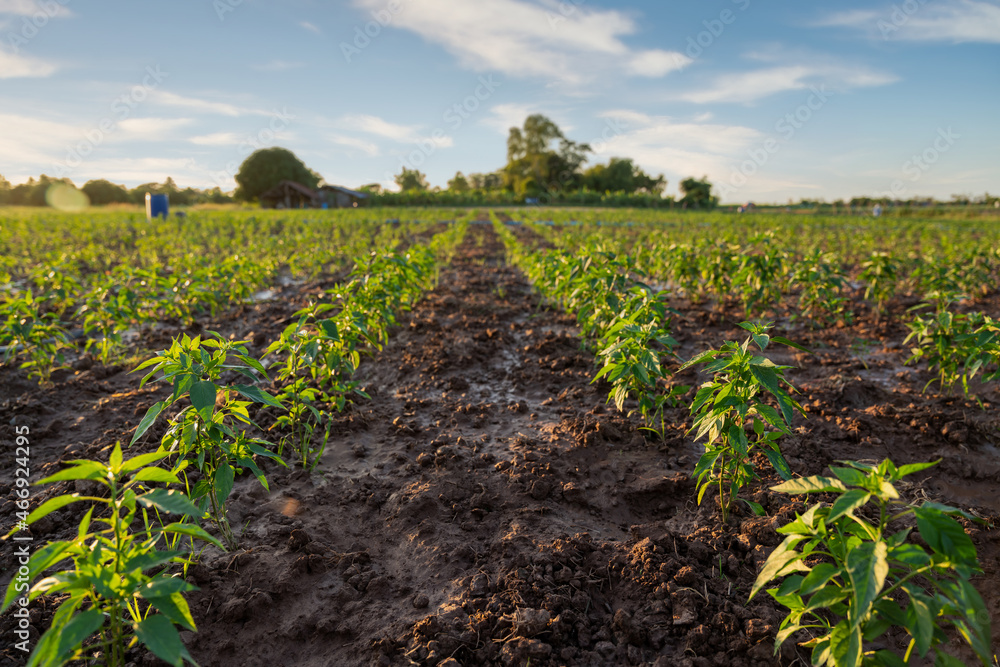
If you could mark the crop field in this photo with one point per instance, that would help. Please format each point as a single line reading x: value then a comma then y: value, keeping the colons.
x: 454, y: 437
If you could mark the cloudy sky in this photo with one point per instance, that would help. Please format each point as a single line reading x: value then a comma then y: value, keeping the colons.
x: 770, y: 100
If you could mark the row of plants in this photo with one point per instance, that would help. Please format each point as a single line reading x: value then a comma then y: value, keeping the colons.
x: 626, y: 321
x: 849, y: 570
x: 56, y: 305
x: 124, y: 572
x: 819, y: 265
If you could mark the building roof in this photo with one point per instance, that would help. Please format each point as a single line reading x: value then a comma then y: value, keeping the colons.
x: 346, y: 191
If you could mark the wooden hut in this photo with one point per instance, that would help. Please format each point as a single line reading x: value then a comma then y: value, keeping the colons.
x: 335, y: 196
x: 289, y: 194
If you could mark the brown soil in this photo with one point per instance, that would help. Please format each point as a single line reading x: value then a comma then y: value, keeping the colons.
x: 486, y: 508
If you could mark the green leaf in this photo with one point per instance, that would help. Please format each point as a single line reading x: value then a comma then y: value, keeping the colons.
x: 911, y: 468
x: 50, y: 506
x: 171, y: 501
x: 175, y: 608
x: 945, y: 536
x: 920, y: 622
x: 785, y: 341
x: 224, y: 479
x: 779, y: 463
x: 142, y: 460
x: 814, y: 484
x: 155, y: 475
x: 817, y: 578
x: 849, y: 476
x: 80, y: 470
x: 257, y: 395
x: 756, y: 508
x: 115, y: 460
x: 203, y: 398
x: 147, y: 421
x: 848, y: 502
x: 191, y: 530
x: 784, y: 559
x: 161, y: 637
x: 73, y: 634
x: 845, y: 645
x: 867, y: 568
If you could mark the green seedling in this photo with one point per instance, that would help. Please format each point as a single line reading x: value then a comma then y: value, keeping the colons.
x: 848, y: 579
x: 732, y: 403
x: 117, y: 582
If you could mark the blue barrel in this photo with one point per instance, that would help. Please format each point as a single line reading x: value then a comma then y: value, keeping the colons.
x: 157, y: 205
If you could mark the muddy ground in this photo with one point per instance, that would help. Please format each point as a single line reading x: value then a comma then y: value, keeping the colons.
x: 487, y: 508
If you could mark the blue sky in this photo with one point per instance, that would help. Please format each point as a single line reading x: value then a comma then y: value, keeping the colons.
x: 771, y: 101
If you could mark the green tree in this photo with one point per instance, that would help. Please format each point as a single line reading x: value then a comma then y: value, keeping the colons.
x: 410, y: 179
x: 458, y: 184
x: 697, y: 194
x: 101, y: 192
x: 492, y: 181
x: 4, y: 190
x: 266, y: 168
x: 373, y: 188
x: 536, y: 164
x: 622, y: 175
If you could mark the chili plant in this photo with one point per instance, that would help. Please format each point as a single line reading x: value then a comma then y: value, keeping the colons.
x: 957, y: 345
x: 211, y: 430
x: 632, y: 352
x: 880, y: 274
x: 116, y: 576
x: 34, y: 334
x: 848, y: 579
x: 733, y: 402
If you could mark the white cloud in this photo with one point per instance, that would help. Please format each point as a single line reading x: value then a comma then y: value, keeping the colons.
x: 17, y: 66
x: 148, y: 129
x: 941, y: 21
x: 217, y: 139
x: 505, y: 116
x: 678, y: 149
x: 383, y: 128
x: 657, y: 63
x: 310, y: 27
x: 746, y: 87
x: 541, y: 38
x: 33, y: 7
x: 206, y: 106
x: 366, y: 147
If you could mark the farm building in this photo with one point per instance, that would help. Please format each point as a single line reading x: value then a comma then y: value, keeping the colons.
x: 289, y: 194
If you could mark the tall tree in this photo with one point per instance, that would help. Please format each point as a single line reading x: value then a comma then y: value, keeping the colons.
x: 536, y: 164
x: 101, y: 192
x: 697, y: 194
x: 266, y: 168
x: 411, y: 179
x: 622, y: 175
x: 459, y: 183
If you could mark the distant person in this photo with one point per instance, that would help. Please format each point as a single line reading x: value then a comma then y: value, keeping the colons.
x: 877, y: 211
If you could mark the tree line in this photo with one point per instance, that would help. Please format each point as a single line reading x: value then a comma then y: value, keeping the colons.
x: 101, y: 192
